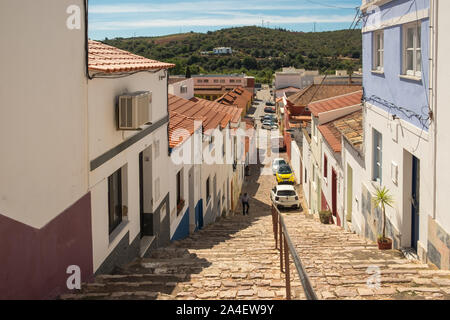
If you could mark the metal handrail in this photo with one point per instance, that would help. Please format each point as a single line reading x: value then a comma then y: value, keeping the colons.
x: 280, y: 232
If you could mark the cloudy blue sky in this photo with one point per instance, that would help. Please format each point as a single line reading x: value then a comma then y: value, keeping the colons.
x: 126, y: 18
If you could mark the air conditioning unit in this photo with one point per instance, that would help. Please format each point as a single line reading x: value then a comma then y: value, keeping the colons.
x: 134, y: 110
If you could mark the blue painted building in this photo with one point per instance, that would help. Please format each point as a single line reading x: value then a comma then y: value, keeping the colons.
x: 397, y: 140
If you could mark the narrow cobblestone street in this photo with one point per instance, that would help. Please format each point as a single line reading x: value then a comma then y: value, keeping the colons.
x: 231, y: 259
x: 235, y: 259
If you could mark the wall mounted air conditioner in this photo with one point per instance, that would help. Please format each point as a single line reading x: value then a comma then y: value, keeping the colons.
x: 134, y: 110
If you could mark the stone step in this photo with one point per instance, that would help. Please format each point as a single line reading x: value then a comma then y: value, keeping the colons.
x: 111, y: 287
x: 84, y: 296
x: 135, y: 277
x: 152, y: 264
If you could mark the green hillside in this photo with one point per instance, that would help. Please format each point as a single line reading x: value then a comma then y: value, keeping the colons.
x: 257, y: 51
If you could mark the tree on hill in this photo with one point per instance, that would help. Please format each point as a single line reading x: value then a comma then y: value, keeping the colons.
x: 188, y: 72
x: 254, y: 49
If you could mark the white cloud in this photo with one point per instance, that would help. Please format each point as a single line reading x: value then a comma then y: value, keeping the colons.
x: 204, y: 7
x: 237, y: 20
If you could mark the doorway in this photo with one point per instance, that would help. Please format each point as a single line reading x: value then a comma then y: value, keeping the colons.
x: 146, y: 215
x: 415, y: 202
x: 334, y: 196
x: 349, y: 193
x: 191, y: 201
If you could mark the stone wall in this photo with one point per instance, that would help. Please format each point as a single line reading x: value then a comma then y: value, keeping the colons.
x: 438, y: 248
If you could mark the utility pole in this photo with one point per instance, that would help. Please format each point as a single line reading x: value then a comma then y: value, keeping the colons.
x: 314, y: 27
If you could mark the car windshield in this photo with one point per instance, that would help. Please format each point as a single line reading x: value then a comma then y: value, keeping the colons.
x: 285, y: 193
x: 280, y: 162
x: 284, y: 170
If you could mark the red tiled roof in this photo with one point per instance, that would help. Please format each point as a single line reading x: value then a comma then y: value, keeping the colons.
x: 320, y: 92
x: 351, y: 127
x: 181, y: 128
x: 108, y: 59
x: 210, y: 117
x: 239, y: 97
x: 234, y: 111
x: 347, y: 100
x: 332, y: 136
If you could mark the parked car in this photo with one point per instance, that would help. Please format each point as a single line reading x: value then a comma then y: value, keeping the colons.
x: 270, y: 103
x: 270, y: 117
x: 285, y: 196
x: 285, y: 175
x: 268, y: 125
x: 276, y: 163
x: 269, y: 110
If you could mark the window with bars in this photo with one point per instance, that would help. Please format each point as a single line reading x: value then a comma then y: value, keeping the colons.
x: 115, y: 200
x: 412, y: 52
x: 378, y: 54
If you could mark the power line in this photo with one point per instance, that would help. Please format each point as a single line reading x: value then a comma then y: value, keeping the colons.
x: 357, y: 15
x: 328, y: 5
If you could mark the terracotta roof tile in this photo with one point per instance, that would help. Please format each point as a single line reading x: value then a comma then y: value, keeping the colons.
x: 181, y: 128
x: 319, y: 92
x: 351, y: 127
x: 343, y: 101
x: 332, y: 136
x: 210, y: 117
x: 239, y: 97
x: 108, y: 59
x: 234, y: 111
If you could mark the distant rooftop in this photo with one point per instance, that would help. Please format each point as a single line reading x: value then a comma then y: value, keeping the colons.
x: 242, y: 75
x: 334, y: 103
x: 320, y: 92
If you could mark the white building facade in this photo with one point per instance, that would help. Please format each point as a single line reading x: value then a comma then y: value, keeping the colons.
x: 128, y: 168
x: 397, y: 128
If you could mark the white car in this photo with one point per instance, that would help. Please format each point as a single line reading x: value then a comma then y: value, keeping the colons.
x: 285, y: 196
x: 268, y: 125
x: 276, y: 163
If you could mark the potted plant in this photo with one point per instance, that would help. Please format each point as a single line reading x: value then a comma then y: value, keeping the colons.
x: 325, y: 216
x: 382, y: 198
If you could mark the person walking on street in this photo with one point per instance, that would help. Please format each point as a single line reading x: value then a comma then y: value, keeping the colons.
x: 245, y: 206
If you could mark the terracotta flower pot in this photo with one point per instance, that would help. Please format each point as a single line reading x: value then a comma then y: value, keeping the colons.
x: 385, y: 244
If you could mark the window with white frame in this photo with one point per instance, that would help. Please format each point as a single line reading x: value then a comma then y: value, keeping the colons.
x: 115, y: 209
x: 378, y: 52
x: 183, y: 89
x: 412, y: 53
x: 377, y: 155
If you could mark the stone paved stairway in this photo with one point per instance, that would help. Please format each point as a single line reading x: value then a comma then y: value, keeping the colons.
x: 231, y: 259
x: 339, y: 265
x: 235, y: 259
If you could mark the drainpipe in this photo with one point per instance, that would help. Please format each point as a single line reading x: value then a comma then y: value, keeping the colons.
x: 432, y: 91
